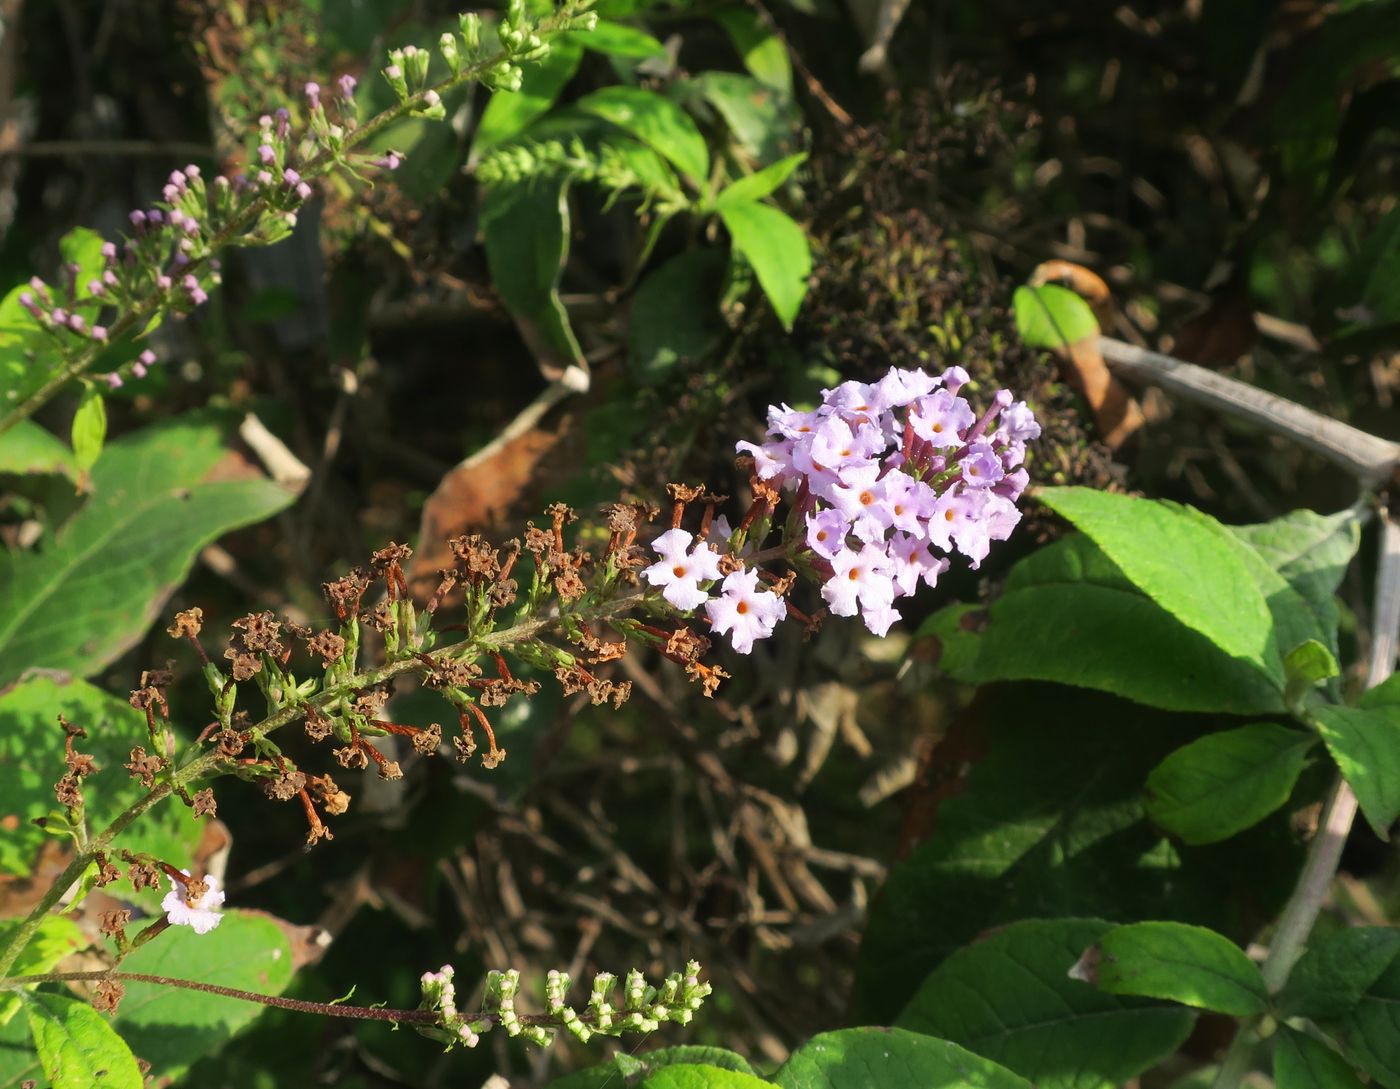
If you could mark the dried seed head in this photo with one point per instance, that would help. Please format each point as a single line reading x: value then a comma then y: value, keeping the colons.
x: 106, y: 872
x: 284, y: 785
x: 371, y: 702
x: 476, y: 558
x: 113, y: 923
x: 188, y: 624
x: 381, y: 617
x: 143, y: 767
x: 427, y: 741
x: 330, y: 795
x: 258, y: 633
x: 390, y: 556
x: 328, y: 645
x: 344, y: 594
x: 318, y: 726
x: 143, y: 875
x: 686, y: 646
x: 708, y: 677
x: 229, y: 743
x: 351, y: 756
x: 108, y: 996
x: 68, y: 791
x: 204, y: 804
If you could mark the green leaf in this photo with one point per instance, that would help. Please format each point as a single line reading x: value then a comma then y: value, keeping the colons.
x: 80, y: 602
x: 1365, y: 743
x: 758, y: 185
x: 18, y: 1062
x: 1187, y: 964
x: 675, y: 319
x: 1050, y: 820
x: 1301, y: 1062
x: 619, y: 40
x: 76, y: 1046
x: 700, y: 1076
x: 763, y: 122
x: 777, y: 249
x: 762, y: 51
x: 656, y: 121
x: 623, y: 1068
x: 1010, y: 998
x: 89, y: 428
x: 1311, y: 551
x: 1051, y: 316
x: 1068, y: 614
x: 169, y: 1027
x: 1226, y: 782
x: 1369, y: 1033
x: 28, y: 448
x: 31, y: 759
x: 1186, y: 562
x: 1309, y: 664
x: 890, y: 1058
x: 526, y: 229
x: 1337, y: 969
x: 509, y: 113
x: 56, y: 938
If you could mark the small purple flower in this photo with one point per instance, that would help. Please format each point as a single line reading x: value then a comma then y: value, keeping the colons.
x: 59, y: 315
x: 94, y: 287
x: 290, y: 177
x: 138, y: 369
x: 390, y: 161
x: 99, y: 333
x: 192, y: 288
x: 266, y: 153
x: 192, y: 171
x: 138, y: 220
x: 313, y: 95
x: 303, y: 191
x: 744, y: 611
x: 861, y: 581
x: 346, y: 86
x: 826, y: 533
x: 110, y: 278
x: 263, y: 178
x: 147, y: 357
x: 109, y: 251
x: 76, y: 323
x: 163, y: 282
x: 981, y: 468
x: 113, y: 379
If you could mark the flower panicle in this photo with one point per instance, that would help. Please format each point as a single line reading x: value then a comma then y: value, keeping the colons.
x: 643, y: 1008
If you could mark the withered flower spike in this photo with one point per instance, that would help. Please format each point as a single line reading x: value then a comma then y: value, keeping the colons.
x: 106, y: 872
x: 344, y: 594
x: 316, y: 829
x: 108, y: 996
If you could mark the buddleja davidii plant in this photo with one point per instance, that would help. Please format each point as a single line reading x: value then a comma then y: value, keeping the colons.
x: 169, y: 262
x: 886, y: 481
x: 1174, y: 610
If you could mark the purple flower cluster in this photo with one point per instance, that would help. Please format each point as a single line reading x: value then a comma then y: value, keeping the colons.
x: 892, y: 476
x: 889, y: 479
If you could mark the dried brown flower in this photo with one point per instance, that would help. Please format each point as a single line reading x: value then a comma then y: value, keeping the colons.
x: 351, y: 756
x: 187, y: 625
x: 284, y: 785
x: 106, y: 872
x: 427, y: 740
x: 113, y: 923
x: 108, y: 996
x: 143, y: 875
x: 331, y: 796
x: 69, y: 793
x: 318, y: 726
x: 328, y: 645
x: 143, y: 767
x: 344, y: 594
x: 204, y: 804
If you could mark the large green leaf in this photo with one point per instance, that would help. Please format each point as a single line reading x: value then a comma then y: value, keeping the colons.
x: 18, y: 1063
x: 509, y: 113
x: 891, y: 1058
x: 619, y: 40
x: 1226, y: 782
x: 1010, y: 997
x: 31, y: 760
x: 169, y: 1027
x: 701, y: 1076
x: 1369, y: 1033
x: 1301, y: 1062
x: 1187, y: 964
x: 1186, y: 562
x: 78, y: 603
x: 764, y: 122
x: 1334, y: 973
x: 76, y: 1045
x: 1068, y: 614
x: 1051, y: 316
x: 526, y: 229
x: 1052, y: 822
x: 764, y: 53
x: 656, y: 121
x: 29, y: 448
x: 776, y: 247
x: 1365, y: 742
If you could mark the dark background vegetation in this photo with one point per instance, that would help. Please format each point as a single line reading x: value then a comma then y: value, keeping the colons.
x: 1227, y: 168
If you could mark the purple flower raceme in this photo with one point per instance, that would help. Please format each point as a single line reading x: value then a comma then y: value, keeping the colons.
x: 889, y: 479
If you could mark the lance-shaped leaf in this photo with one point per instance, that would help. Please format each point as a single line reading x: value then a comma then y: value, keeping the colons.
x: 1068, y: 614
x: 1334, y: 973
x: 158, y: 497
x: 777, y: 249
x: 656, y: 121
x: 1186, y: 964
x: 1301, y: 1062
x: 1185, y: 562
x: 1369, y: 1033
x: 1010, y: 997
x: 1226, y: 782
